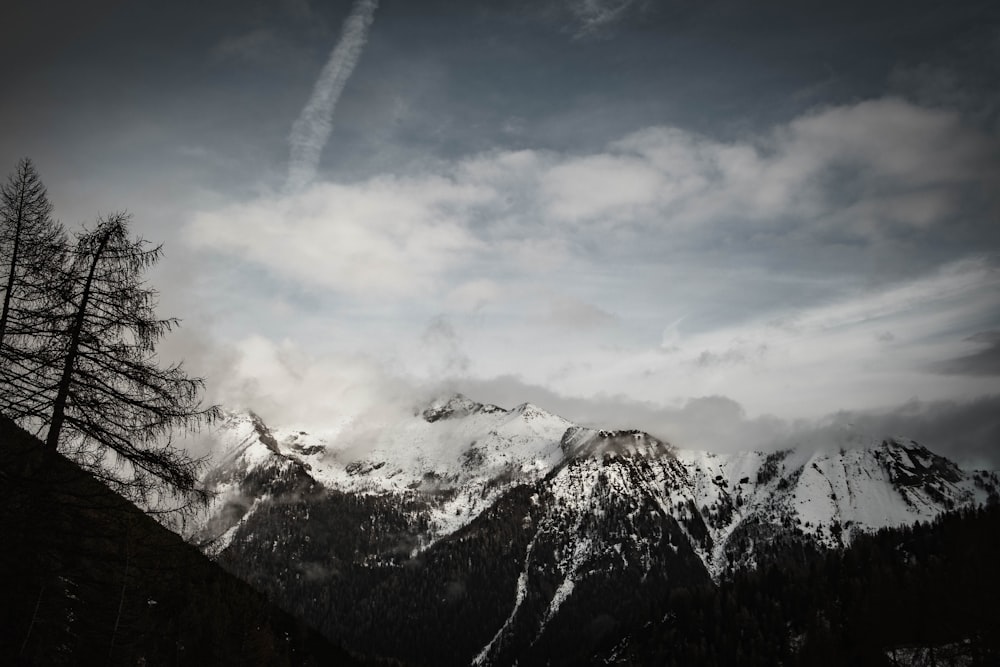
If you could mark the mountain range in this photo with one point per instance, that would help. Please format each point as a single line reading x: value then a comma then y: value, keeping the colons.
x: 517, y: 536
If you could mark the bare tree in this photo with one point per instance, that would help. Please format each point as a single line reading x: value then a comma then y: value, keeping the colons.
x: 112, y: 397
x: 32, y: 252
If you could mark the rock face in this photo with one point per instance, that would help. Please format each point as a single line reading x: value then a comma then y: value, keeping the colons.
x: 516, y: 535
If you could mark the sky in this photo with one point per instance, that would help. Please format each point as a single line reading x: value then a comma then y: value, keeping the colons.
x: 732, y: 224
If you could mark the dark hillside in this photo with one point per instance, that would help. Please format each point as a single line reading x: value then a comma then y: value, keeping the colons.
x: 87, y: 578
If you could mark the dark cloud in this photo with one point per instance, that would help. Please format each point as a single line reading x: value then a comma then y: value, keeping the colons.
x: 967, y: 432
x: 983, y: 362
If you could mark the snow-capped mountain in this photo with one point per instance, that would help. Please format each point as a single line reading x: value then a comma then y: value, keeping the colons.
x: 459, y: 453
x: 502, y: 529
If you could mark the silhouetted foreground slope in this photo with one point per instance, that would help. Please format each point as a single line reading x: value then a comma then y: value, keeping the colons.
x: 87, y: 578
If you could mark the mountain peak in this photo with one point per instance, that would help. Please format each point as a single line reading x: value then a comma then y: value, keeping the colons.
x: 909, y: 463
x: 531, y: 411
x: 457, y: 405
x: 580, y: 441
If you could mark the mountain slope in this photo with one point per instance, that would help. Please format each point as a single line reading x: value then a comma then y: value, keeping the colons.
x: 913, y: 596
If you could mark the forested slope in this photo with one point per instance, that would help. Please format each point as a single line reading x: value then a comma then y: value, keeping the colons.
x: 927, y: 594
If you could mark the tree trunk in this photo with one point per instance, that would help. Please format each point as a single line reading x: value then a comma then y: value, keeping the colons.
x: 59, y: 406
x: 13, y: 265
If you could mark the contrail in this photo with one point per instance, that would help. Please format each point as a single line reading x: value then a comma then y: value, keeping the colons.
x: 312, y: 129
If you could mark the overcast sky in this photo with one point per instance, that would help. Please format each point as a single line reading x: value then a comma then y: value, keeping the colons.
x: 718, y: 220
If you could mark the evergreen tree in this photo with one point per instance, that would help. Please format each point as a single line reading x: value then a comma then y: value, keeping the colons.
x: 111, y: 396
x: 32, y: 251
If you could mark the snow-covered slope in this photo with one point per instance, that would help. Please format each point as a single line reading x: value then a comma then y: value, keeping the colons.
x: 459, y: 454
x: 451, y: 444
x: 828, y: 496
x: 246, y: 470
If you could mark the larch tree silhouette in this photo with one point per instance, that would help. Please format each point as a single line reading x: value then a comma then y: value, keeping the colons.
x: 32, y: 254
x: 112, y: 401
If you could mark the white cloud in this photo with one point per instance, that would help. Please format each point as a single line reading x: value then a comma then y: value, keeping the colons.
x: 569, y: 313
x: 385, y: 237
x: 893, y: 138
x: 798, y: 363
x: 598, y: 187
x: 474, y: 294
x: 288, y: 385
x: 656, y: 189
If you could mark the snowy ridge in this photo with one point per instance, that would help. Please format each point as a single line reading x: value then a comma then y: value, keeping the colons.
x: 829, y: 496
x: 448, y: 445
x: 459, y: 456
x: 247, y: 447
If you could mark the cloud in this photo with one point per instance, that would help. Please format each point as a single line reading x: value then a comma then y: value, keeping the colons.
x: 443, y: 349
x: 288, y: 385
x: 797, y: 363
x: 474, y: 295
x: 966, y: 431
x: 985, y: 361
x: 741, y: 352
x: 870, y: 173
x: 591, y: 17
x: 862, y: 168
x: 569, y: 313
x: 600, y: 186
x: 312, y: 129
x: 388, y: 236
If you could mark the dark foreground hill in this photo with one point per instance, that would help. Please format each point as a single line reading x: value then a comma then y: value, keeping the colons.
x: 87, y: 578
